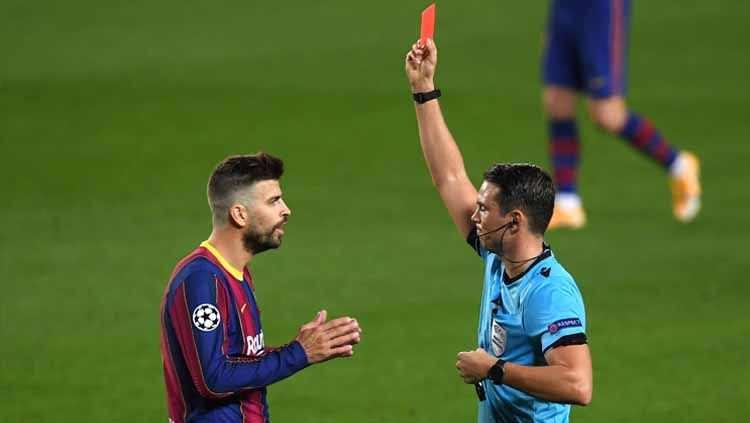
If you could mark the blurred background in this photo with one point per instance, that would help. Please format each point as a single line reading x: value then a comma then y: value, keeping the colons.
x: 113, y: 114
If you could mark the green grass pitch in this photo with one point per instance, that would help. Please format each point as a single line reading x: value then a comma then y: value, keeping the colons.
x: 112, y: 115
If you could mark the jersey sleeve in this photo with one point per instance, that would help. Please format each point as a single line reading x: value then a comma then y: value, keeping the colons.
x: 555, y: 313
x: 198, y: 313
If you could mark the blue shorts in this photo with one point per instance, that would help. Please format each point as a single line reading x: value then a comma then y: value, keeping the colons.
x: 585, y: 46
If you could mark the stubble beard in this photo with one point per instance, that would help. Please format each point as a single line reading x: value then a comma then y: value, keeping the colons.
x: 496, y: 245
x: 256, y: 242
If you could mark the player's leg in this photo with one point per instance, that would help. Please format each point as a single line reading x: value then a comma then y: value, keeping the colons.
x: 565, y: 149
x: 612, y: 115
x: 561, y: 73
x: 604, y: 42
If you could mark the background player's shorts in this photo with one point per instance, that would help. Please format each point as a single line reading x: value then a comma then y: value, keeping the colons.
x: 586, y: 44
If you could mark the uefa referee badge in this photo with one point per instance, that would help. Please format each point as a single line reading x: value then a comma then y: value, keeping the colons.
x: 499, y: 338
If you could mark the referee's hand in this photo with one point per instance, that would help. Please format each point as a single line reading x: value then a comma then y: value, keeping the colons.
x: 323, y: 340
x: 473, y: 365
x: 420, y: 66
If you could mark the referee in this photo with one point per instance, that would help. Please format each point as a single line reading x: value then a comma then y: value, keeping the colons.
x: 533, y: 359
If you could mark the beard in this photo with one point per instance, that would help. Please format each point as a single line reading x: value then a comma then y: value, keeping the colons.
x: 256, y: 242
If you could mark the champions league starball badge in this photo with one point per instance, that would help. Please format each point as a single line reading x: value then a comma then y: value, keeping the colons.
x: 206, y: 317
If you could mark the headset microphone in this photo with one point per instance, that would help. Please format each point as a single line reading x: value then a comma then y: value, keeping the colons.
x: 500, y: 253
x: 494, y: 230
x: 514, y: 222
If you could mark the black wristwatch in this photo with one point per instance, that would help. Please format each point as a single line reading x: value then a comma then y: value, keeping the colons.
x: 422, y: 98
x: 496, y: 372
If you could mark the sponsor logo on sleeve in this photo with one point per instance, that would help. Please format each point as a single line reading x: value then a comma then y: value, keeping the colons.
x: 564, y: 323
x: 206, y: 317
x: 255, y: 344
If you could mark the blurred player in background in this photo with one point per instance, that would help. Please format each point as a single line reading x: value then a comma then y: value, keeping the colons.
x: 533, y: 358
x: 585, y: 52
x: 216, y: 364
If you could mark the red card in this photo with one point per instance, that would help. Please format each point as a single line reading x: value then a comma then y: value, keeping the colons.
x: 428, y: 25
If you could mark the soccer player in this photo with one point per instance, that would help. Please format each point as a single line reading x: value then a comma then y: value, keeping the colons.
x: 216, y: 364
x: 533, y: 358
x: 585, y: 52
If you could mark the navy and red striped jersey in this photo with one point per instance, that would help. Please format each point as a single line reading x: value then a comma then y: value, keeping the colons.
x: 216, y: 366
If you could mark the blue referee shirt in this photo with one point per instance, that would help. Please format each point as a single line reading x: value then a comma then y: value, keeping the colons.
x: 520, y: 319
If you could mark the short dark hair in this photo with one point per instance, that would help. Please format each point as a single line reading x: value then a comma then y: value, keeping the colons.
x: 236, y: 173
x: 525, y: 187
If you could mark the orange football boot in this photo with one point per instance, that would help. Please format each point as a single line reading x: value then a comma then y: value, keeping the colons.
x: 686, y: 187
x: 567, y: 217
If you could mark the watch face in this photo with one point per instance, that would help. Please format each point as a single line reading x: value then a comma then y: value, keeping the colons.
x: 496, y: 373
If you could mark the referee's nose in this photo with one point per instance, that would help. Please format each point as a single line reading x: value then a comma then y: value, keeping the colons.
x: 475, y: 215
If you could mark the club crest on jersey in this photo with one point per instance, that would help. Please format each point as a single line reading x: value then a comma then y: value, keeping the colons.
x: 499, y: 339
x: 206, y: 317
x: 564, y: 323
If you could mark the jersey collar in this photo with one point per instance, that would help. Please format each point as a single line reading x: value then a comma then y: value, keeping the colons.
x: 546, y: 253
x: 224, y: 263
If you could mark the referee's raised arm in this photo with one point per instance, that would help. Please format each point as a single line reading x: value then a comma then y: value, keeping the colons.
x: 440, y: 150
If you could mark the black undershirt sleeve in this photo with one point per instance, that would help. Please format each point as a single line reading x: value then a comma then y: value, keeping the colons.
x: 574, y: 339
x: 473, y: 240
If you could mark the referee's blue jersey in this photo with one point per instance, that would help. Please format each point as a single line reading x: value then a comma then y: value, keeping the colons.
x: 520, y: 319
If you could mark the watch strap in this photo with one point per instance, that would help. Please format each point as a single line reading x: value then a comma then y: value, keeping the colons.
x: 497, y: 372
x: 422, y: 98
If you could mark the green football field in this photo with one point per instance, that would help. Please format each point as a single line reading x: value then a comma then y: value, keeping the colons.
x: 112, y: 115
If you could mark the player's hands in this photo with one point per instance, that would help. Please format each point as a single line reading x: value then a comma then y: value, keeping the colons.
x: 474, y: 365
x: 420, y: 66
x: 323, y: 340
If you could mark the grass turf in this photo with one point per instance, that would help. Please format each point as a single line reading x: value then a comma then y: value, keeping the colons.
x: 112, y: 116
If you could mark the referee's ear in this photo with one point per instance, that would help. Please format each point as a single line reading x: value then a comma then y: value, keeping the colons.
x: 238, y: 216
x: 518, y: 219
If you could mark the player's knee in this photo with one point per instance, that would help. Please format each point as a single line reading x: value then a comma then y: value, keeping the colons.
x: 559, y: 103
x: 608, y: 116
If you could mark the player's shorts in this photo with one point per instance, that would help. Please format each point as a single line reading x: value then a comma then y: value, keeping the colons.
x: 585, y: 46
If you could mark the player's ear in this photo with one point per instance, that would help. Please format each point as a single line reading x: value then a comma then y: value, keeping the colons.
x: 238, y: 216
